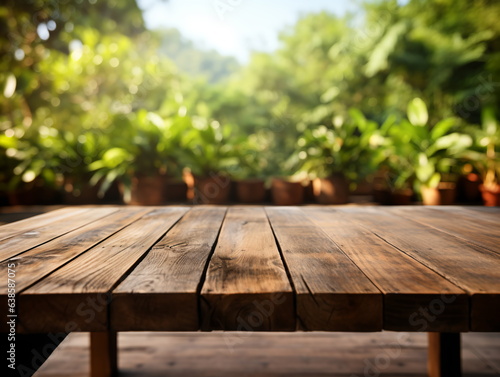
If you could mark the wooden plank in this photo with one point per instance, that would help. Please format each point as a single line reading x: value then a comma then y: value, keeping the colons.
x: 246, y: 287
x: 444, y: 355
x: 472, y: 268
x: 489, y: 214
x: 468, y: 229
x: 103, y: 354
x: 268, y: 354
x: 22, y: 226
x: 408, y: 286
x: 76, y: 296
x: 40, y: 261
x: 332, y: 294
x: 16, y: 245
x: 161, y: 293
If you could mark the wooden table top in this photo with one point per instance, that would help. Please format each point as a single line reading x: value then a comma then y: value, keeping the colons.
x: 255, y: 268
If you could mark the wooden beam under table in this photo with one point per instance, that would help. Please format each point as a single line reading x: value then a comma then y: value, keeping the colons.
x: 444, y: 355
x: 103, y: 354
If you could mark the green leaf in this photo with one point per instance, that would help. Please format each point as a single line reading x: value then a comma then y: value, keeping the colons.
x: 442, y: 127
x: 434, y: 180
x: 454, y: 143
x: 380, y: 55
x: 489, y: 121
x: 417, y: 112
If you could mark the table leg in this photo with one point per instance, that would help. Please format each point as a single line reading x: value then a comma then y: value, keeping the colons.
x: 444, y: 355
x: 103, y: 354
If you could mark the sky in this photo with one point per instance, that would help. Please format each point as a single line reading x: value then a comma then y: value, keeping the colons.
x: 234, y: 27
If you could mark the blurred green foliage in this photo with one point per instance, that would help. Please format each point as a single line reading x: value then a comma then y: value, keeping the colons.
x: 86, y: 91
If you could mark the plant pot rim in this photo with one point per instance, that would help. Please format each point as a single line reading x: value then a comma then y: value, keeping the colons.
x: 495, y: 190
x: 402, y: 191
x: 250, y: 180
x: 441, y: 186
x: 210, y: 175
x: 287, y: 179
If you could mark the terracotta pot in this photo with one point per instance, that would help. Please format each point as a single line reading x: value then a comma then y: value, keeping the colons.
x: 188, y: 177
x: 402, y: 197
x: 309, y: 193
x: 86, y: 194
x: 468, y: 188
x: 331, y: 190
x: 78, y: 191
x: 286, y: 193
x: 212, y: 190
x: 175, y: 190
x: 491, y: 197
x: 364, y: 187
x: 444, y: 194
x: 34, y: 193
x: 250, y: 191
x: 382, y: 195
x: 147, y: 191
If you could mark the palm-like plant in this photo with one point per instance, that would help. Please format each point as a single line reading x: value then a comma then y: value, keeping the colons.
x: 143, y: 145
x: 428, y: 154
x: 208, y: 149
x: 484, y: 154
x: 346, y: 148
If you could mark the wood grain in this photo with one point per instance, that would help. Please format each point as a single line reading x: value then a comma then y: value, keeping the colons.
x: 408, y: 286
x: 489, y: 215
x: 332, y: 294
x: 40, y: 261
x: 77, y: 295
x: 161, y: 293
x: 22, y: 226
x: 11, y: 247
x: 470, y: 267
x: 246, y: 287
x: 297, y: 354
x: 103, y: 354
x: 471, y: 230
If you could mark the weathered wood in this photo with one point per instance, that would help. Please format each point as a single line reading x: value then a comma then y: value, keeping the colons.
x: 40, y: 261
x: 161, y: 293
x: 408, y: 286
x: 76, y: 296
x: 332, y: 294
x: 471, y: 230
x: 25, y: 225
x: 444, y: 355
x: 103, y: 354
x: 488, y: 215
x: 246, y: 287
x: 11, y: 247
x: 470, y: 267
x: 267, y: 354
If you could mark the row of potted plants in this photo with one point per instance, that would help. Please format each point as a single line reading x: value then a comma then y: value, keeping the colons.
x: 144, y: 157
x: 430, y: 158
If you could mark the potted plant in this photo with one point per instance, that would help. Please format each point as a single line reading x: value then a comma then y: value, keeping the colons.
x: 485, y: 157
x: 210, y: 155
x: 395, y: 180
x: 288, y: 186
x: 287, y: 190
x: 34, y: 157
x: 334, y: 157
x: 78, y: 152
x: 428, y: 155
x: 250, y: 171
x: 143, y: 157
